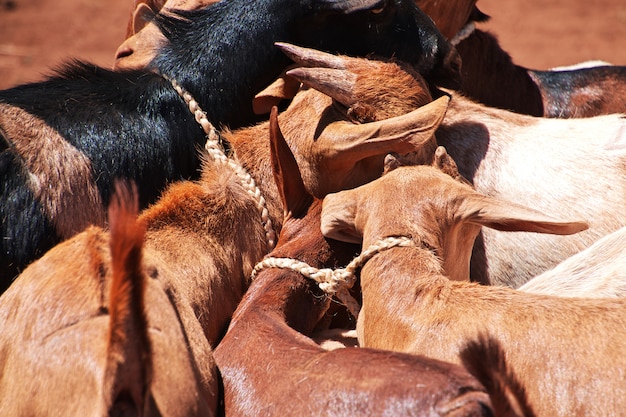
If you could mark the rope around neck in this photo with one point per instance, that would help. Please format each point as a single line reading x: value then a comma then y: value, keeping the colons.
x: 463, y: 34
x: 336, y: 281
x: 214, y: 149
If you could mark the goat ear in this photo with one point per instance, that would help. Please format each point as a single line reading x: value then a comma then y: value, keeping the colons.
x: 287, y: 175
x: 142, y: 15
x: 284, y: 88
x: 401, y: 134
x: 512, y: 217
x: 339, y: 218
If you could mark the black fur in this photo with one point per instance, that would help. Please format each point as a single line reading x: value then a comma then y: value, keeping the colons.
x: 133, y: 125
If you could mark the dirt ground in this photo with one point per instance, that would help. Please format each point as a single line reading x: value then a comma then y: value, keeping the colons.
x: 37, y: 35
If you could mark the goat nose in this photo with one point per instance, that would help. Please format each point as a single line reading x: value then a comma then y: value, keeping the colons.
x: 123, y: 52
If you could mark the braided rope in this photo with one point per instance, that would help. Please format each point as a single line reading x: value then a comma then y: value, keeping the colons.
x: 215, y: 150
x: 463, y: 34
x: 336, y: 281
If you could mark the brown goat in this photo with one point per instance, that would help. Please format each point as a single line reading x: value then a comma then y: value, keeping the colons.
x: 269, y: 365
x: 202, y: 240
x: 565, y: 352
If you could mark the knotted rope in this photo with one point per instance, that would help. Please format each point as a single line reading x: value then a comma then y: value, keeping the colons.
x: 336, y: 281
x: 215, y: 149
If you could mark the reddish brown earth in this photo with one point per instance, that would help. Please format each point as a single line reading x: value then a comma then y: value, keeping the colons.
x: 37, y: 35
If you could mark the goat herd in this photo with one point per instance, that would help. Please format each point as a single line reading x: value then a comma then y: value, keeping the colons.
x: 196, y: 231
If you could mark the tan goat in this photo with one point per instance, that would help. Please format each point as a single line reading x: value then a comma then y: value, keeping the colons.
x: 566, y: 353
x: 87, y: 333
x: 202, y: 241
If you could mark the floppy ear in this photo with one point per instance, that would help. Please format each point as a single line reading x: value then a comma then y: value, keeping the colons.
x: 142, y: 15
x: 512, y: 217
x: 339, y: 216
x: 296, y: 199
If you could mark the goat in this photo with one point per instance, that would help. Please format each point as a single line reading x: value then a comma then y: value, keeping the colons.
x: 491, y: 77
x: 565, y: 352
x: 288, y: 373
x: 597, y: 272
x: 534, y: 161
x: 104, y: 340
x: 203, y: 238
x: 63, y: 140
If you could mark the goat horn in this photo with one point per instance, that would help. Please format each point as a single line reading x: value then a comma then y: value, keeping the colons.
x: 336, y: 83
x: 307, y: 57
x: 400, y: 134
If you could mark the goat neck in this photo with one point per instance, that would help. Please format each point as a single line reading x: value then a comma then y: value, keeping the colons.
x: 223, y: 221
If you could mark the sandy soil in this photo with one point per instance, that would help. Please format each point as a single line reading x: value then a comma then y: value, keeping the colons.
x: 38, y: 35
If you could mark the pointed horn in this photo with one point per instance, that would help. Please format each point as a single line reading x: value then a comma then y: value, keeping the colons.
x: 311, y: 57
x: 400, y: 134
x: 335, y: 83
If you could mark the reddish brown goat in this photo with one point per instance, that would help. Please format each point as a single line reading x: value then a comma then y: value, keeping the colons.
x: 288, y: 373
x: 565, y: 352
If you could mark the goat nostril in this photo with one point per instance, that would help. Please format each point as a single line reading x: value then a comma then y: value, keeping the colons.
x: 123, y: 53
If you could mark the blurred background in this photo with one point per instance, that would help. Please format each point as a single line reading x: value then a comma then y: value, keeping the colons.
x: 38, y: 35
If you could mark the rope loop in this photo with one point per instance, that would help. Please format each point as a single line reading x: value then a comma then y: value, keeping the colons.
x: 335, y: 281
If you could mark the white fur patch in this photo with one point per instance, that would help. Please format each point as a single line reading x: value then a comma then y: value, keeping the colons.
x: 582, y: 65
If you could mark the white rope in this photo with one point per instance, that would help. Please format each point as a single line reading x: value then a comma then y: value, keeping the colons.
x: 463, y: 34
x: 214, y: 149
x: 335, y: 281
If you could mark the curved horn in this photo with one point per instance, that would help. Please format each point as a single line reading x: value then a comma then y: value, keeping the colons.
x: 310, y: 57
x: 335, y: 83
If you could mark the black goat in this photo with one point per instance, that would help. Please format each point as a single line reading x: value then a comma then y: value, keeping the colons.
x: 64, y: 140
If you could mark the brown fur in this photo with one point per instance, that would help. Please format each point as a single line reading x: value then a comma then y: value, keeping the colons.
x: 565, y: 353
x: 50, y: 181
x: 129, y: 365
